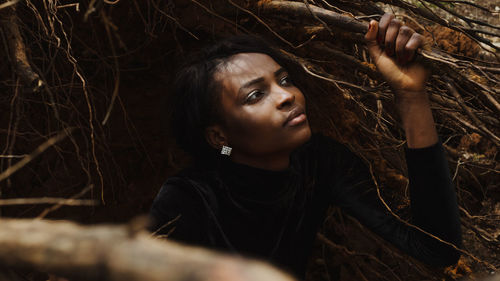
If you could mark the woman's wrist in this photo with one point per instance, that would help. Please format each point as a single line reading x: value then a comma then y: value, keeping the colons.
x: 411, y: 96
x: 416, y: 117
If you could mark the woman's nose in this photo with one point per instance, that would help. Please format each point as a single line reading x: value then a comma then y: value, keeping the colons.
x: 284, y: 98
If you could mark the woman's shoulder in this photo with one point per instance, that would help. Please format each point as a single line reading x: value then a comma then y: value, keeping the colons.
x: 185, y: 185
x: 181, y: 209
x: 185, y: 195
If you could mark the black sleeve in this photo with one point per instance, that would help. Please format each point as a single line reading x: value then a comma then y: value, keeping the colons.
x: 433, y: 204
x: 177, y: 211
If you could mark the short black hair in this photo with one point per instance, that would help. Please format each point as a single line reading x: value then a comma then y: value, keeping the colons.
x: 196, y: 97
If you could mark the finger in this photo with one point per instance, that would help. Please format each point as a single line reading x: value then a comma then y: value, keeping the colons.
x: 382, y: 27
x: 404, y: 36
x: 371, y: 40
x: 371, y: 34
x: 416, y: 41
x: 390, y: 36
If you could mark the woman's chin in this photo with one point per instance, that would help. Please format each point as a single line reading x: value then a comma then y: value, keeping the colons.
x: 301, y: 135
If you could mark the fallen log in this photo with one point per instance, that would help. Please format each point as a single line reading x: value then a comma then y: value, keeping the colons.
x: 109, y: 252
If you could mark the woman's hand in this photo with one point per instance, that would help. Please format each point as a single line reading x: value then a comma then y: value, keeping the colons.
x: 392, y: 47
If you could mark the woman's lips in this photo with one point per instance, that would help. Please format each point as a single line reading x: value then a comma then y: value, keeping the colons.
x: 297, y: 120
x: 295, y: 117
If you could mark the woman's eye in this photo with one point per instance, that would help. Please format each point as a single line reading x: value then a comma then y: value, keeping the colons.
x: 285, y: 81
x: 254, y: 96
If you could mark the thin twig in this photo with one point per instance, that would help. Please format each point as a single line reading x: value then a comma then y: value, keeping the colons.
x: 334, y: 246
x: 116, y: 88
x: 57, y: 206
x: 471, y: 115
x: 39, y: 150
x: 8, y: 4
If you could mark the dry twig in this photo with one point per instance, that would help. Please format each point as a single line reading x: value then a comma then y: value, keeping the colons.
x: 39, y: 150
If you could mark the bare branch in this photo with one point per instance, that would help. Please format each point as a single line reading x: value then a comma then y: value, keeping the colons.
x: 17, y: 49
x: 298, y: 8
x: 472, y: 116
x: 39, y: 150
x: 48, y: 200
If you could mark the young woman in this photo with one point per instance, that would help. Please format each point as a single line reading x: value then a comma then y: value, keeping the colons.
x: 261, y: 182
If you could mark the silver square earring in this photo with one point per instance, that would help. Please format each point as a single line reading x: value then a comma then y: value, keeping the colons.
x: 226, y: 150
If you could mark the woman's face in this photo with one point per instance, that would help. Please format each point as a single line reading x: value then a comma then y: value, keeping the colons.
x: 263, y: 112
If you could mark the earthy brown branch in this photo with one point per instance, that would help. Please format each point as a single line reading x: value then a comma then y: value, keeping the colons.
x: 40, y: 149
x: 116, y: 253
x: 342, y: 22
x: 334, y: 246
x: 48, y: 200
x: 17, y: 49
x: 300, y: 9
x: 464, y: 18
x: 471, y: 115
x: 430, y: 15
x: 57, y: 206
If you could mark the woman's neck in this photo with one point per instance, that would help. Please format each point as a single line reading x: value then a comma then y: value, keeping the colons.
x: 274, y: 162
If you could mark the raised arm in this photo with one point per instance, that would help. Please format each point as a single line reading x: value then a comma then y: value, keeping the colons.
x: 392, y: 47
x: 434, y: 209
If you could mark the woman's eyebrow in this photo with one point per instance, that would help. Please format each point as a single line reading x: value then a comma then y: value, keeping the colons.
x: 250, y: 83
x: 260, y: 79
x: 279, y: 71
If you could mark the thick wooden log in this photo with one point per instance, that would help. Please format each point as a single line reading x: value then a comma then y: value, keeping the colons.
x: 117, y: 253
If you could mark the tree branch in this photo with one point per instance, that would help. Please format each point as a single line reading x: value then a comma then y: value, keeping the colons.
x: 17, y: 49
x: 299, y: 8
x: 48, y: 200
x: 117, y: 253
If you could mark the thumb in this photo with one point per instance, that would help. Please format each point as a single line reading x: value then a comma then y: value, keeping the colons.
x: 371, y: 40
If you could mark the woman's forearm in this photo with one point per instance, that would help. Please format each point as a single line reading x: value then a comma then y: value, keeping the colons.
x: 417, y: 121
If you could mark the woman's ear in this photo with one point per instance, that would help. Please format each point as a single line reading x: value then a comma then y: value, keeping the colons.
x: 215, y: 136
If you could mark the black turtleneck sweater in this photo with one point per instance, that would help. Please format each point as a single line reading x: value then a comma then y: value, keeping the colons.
x: 274, y: 215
